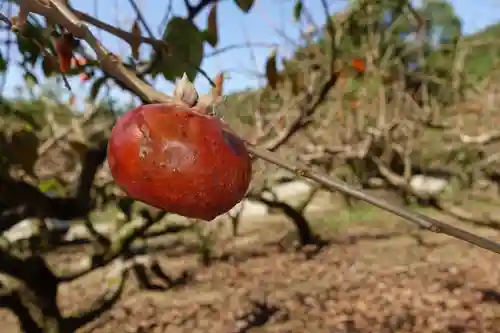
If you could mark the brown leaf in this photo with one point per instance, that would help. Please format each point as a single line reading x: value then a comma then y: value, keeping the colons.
x: 135, y: 42
x: 271, y: 70
x: 219, y: 85
x: 245, y: 5
x: 208, y: 102
x: 212, y: 29
x: 48, y: 65
x: 64, y: 51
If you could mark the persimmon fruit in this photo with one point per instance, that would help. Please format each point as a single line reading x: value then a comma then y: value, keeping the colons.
x: 359, y: 65
x: 179, y: 159
x: 84, y: 77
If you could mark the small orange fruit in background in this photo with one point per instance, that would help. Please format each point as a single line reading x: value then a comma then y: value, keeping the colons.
x: 84, y: 77
x: 359, y: 65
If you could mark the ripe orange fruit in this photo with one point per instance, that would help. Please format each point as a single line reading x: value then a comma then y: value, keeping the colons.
x: 359, y: 65
x: 178, y: 159
x: 84, y: 77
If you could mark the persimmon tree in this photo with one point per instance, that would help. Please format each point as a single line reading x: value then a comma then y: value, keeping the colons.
x: 285, y: 114
x: 373, y: 127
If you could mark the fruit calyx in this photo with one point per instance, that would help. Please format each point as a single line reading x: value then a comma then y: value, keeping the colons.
x: 180, y: 160
x: 185, y: 93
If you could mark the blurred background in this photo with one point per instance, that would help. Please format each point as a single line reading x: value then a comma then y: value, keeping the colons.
x: 397, y: 98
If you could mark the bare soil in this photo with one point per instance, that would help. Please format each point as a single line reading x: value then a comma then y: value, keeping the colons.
x: 371, y: 277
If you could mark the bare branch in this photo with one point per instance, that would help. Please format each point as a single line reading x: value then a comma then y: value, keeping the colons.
x: 116, y: 283
x: 57, y: 11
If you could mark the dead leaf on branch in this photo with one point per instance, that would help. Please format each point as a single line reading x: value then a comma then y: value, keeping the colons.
x: 245, y: 5
x: 271, y: 70
x: 212, y: 32
x: 209, y: 101
x: 217, y: 91
x: 49, y: 65
x: 64, y: 45
x: 135, y: 42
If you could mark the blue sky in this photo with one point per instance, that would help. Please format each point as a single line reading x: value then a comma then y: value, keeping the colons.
x: 261, y: 25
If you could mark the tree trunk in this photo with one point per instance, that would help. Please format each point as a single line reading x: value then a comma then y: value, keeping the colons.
x: 35, y: 303
x: 26, y: 322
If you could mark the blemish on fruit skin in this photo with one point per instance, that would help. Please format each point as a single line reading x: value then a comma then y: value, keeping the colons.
x: 177, y: 155
x: 145, y: 144
x: 230, y: 142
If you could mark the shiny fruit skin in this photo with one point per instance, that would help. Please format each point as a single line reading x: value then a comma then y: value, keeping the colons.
x: 177, y: 159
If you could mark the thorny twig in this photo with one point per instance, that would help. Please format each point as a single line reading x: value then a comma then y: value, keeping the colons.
x: 58, y: 12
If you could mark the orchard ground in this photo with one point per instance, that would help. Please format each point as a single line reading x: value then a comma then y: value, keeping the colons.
x: 376, y: 274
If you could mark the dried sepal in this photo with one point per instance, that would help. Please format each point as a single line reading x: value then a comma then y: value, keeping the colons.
x: 210, y: 101
x: 219, y: 85
x: 185, y: 91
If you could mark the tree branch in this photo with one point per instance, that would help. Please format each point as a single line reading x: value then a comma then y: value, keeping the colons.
x: 23, y: 200
x: 116, y: 283
x: 58, y: 12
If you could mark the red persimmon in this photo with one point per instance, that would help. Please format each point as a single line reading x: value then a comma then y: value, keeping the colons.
x: 179, y: 159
